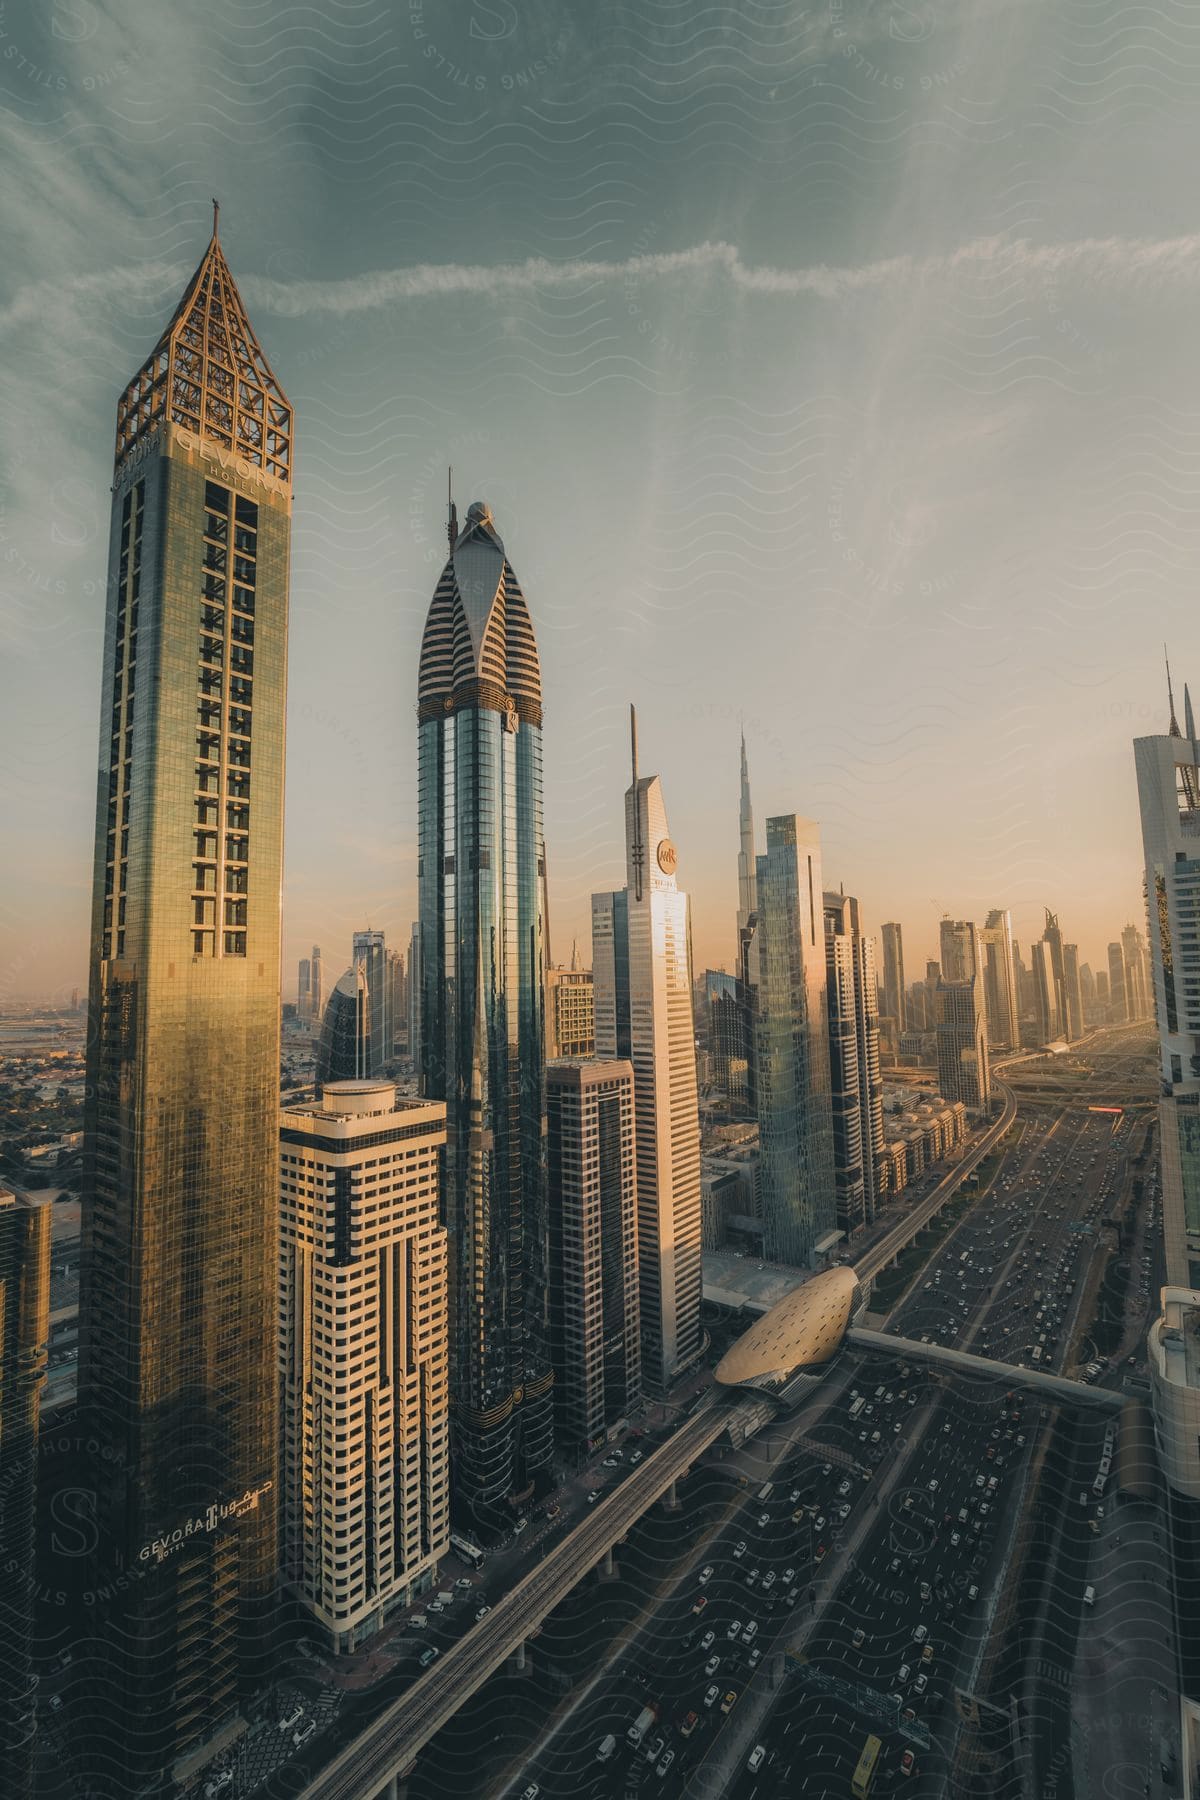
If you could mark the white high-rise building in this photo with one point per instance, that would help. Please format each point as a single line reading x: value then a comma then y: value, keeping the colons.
x: 363, y: 1342
x: 642, y: 977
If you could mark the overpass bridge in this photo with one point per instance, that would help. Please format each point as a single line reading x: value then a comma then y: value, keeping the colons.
x: 964, y: 1362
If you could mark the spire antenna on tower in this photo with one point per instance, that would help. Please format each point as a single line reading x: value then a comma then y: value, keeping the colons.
x: 1173, y: 728
x: 451, y: 510
x: 216, y: 214
x: 639, y: 853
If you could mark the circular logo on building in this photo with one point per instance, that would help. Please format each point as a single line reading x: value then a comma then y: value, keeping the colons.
x: 666, y: 857
x: 511, y: 721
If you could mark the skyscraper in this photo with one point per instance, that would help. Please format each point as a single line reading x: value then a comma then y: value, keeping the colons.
x: 856, y: 1083
x: 959, y: 950
x: 594, y: 1331
x: 747, y: 872
x: 642, y: 971
x: 1072, y: 991
x: 1139, y: 1004
x: 177, y: 1327
x: 344, y: 1046
x: 481, y: 972
x: 570, y: 1013
x: 962, y: 1039
x: 397, y: 1004
x: 796, y: 1162
x: 894, y: 992
x: 1000, y: 981
x: 362, y: 1354
x: 1116, y: 984
x: 414, y: 995
x: 24, y: 1333
x: 1053, y: 940
x: 317, y: 985
x: 1168, y: 781
x: 1047, y: 1017
x: 370, y: 955
x: 304, y: 989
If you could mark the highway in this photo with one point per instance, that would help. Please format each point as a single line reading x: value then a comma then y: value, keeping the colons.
x: 392, y: 1742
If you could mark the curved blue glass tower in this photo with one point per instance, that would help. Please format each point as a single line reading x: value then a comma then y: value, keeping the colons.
x: 482, y: 959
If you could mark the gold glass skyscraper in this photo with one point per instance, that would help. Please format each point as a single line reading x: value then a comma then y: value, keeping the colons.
x: 177, y: 1369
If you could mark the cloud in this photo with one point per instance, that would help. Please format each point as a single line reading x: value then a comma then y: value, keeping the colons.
x: 1126, y: 261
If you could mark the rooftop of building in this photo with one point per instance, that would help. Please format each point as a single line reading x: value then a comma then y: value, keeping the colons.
x: 350, y: 1106
x: 745, y: 1283
x: 1175, y: 1337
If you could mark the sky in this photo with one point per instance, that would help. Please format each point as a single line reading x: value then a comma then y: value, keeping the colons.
x: 830, y: 370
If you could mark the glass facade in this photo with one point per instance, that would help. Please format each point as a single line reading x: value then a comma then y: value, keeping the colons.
x: 794, y: 1106
x: 177, y: 1382
x: 482, y: 1046
x: 24, y: 1330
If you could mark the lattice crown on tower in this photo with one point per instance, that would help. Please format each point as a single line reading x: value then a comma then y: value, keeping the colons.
x: 208, y: 374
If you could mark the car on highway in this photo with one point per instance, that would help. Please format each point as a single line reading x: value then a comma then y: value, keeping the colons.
x: 700, y: 1605
x: 705, y: 1575
x: 708, y: 1640
x: 712, y: 1665
x: 739, y: 1550
x: 730, y: 1701
x: 689, y: 1724
x: 712, y: 1696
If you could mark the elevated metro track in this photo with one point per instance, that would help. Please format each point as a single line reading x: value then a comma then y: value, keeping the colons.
x: 903, y: 1233
x: 391, y: 1743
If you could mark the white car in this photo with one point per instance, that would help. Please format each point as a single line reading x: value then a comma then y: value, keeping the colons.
x: 292, y: 1719
x: 739, y: 1550
x: 757, y: 1758
x: 735, y: 1630
x: 705, y: 1575
x: 712, y: 1665
x: 305, y: 1732
x: 219, y: 1783
x: 708, y: 1640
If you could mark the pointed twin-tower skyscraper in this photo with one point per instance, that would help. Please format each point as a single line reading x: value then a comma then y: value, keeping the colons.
x: 482, y: 956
